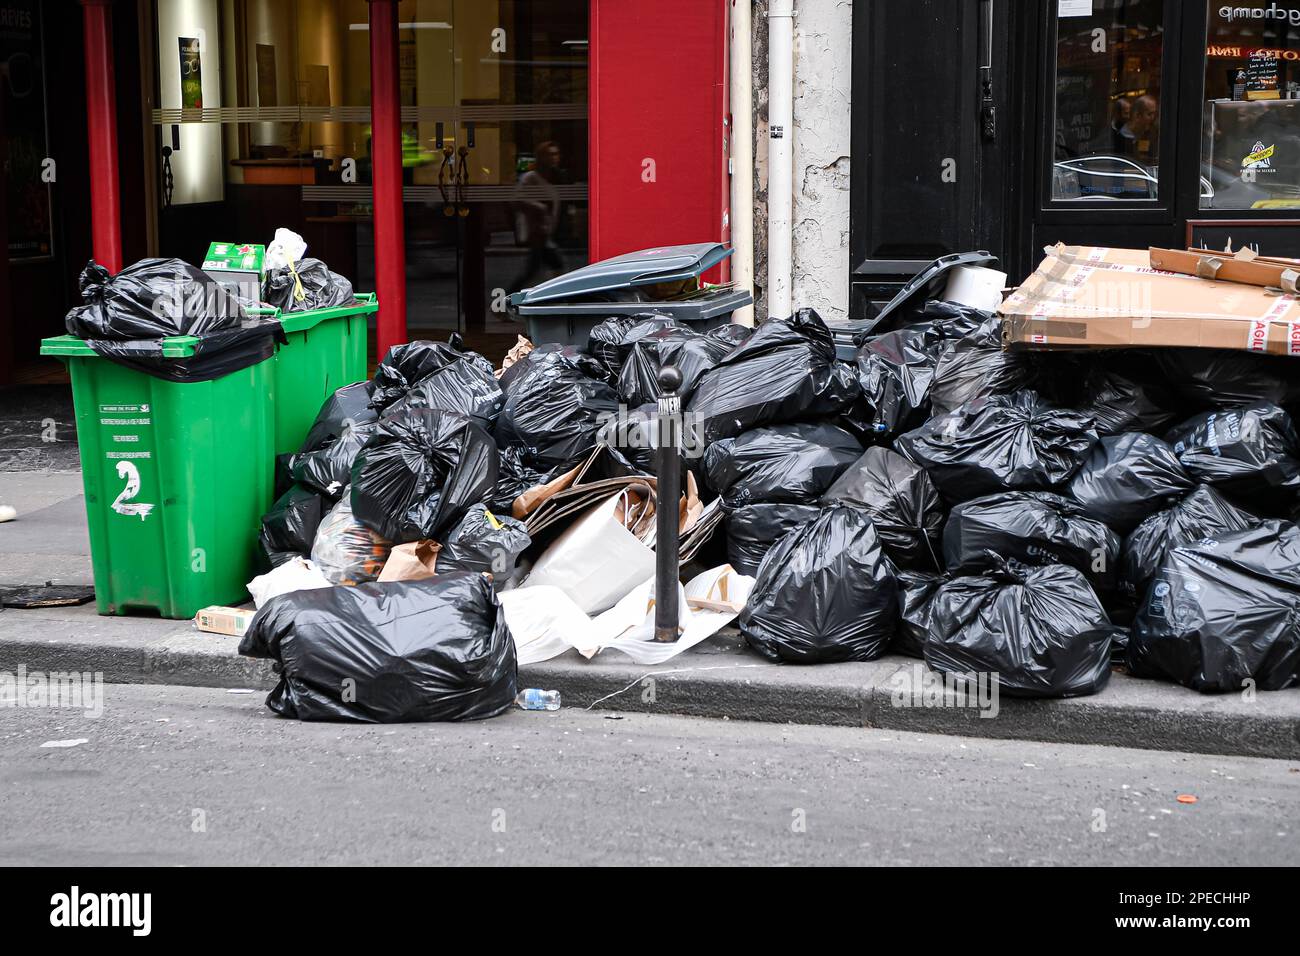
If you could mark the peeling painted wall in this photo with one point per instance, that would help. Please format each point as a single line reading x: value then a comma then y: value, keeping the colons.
x: 822, y: 116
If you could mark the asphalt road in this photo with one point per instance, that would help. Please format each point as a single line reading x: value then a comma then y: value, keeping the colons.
x: 185, y: 776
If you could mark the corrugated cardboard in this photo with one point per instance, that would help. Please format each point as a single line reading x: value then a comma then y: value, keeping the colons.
x: 1093, y: 297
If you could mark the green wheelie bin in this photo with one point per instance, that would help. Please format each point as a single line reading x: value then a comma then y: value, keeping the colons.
x: 177, y: 477
x: 326, y: 350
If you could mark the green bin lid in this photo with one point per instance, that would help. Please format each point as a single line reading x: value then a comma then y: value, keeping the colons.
x: 182, y: 346
x: 365, y: 304
x: 69, y: 346
x: 640, y: 268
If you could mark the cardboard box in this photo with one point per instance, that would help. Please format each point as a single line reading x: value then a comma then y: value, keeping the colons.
x: 1093, y: 297
x: 216, y: 619
x: 237, y: 266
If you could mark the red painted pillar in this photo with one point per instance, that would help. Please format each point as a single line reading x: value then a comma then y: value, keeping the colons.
x: 386, y: 166
x: 101, y: 128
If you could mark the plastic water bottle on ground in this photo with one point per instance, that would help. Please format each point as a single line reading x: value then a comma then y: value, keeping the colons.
x: 535, y: 699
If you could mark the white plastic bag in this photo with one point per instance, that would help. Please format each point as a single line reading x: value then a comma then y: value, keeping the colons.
x: 285, y: 250
x: 296, y: 574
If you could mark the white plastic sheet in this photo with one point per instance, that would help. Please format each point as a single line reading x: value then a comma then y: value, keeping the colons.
x: 546, y: 622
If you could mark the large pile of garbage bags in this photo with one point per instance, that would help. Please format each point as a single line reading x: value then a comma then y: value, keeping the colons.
x: 1036, y: 516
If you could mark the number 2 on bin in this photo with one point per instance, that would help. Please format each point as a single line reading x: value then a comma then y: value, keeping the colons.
x: 124, y: 503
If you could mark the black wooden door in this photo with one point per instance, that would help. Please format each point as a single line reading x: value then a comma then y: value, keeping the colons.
x: 932, y: 138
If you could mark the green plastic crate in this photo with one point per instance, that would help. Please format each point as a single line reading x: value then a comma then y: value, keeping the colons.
x: 326, y: 350
x: 177, y: 477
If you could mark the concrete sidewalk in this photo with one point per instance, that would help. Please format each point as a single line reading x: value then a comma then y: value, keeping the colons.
x: 720, y: 678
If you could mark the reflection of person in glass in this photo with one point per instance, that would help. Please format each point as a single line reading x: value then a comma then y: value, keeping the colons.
x: 1123, y: 112
x: 1137, y: 137
x: 537, y: 214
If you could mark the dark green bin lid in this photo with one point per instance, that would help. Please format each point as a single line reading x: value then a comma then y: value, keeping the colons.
x: 641, y: 268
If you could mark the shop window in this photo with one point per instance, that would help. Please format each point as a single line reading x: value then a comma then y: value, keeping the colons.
x: 1250, y: 152
x: 1107, y: 101
x: 263, y: 120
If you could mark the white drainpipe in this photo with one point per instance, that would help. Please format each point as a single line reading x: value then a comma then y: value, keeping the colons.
x: 742, y: 153
x: 780, y: 158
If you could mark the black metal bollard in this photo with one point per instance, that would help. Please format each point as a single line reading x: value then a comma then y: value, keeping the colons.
x: 669, y: 460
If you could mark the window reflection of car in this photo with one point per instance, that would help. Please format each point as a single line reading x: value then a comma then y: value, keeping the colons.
x: 1103, y: 177
x: 1111, y: 177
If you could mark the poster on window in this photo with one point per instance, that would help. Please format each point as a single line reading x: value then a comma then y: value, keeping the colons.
x: 191, y: 73
x: 28, y: 199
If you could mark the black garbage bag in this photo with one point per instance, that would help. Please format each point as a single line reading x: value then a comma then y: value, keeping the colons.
x: 975, y: 365
x: 1000, y: 442
x: 152, y: 299
x: 467, y: 386
x: 824, y: 593
x: 752, y: 530
x: 902, y: 502
x: 1119, y: 399
x: 786, y: 371
x: 1219, y: 378
x: 1251, y: 451
x: 388, y: 653
x: 1032, y: 527
x: 649, y: 349
x: 731, y: 334
x: 780, y: 464
x: 894, y: 374
x: 635, y: 434
x: 896, y: 370
x: 1203, y: 513
x: 1040, y: 630
x: 349, y: 405
x: 283, y: 478
x: 126, y: 317
x: 406, y: 364
x: 1126, y: 478
x: 317, y: 287
x: 484, y: 542
x: 289, y: 528
x: 419, y: 473
x: 1222, y: 611
x: 514, y: 477
x: 916, y: 591
x: 605, y: 337
x: 570, y: 355
x: 328, y: 469
x: 216, y: 354
x: 554, y: 409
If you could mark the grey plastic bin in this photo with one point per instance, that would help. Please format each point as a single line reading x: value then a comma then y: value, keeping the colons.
x: 565, y: 309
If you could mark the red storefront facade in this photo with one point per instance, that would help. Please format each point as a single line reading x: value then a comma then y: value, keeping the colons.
x: 440, y: 152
